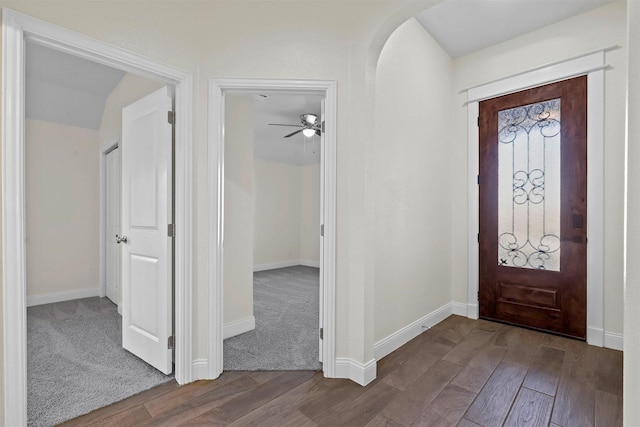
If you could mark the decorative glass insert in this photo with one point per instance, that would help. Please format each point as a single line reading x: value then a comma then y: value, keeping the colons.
x: 529, y: 186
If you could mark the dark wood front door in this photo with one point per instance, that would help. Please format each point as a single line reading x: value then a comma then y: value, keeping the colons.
x: 533, y: 208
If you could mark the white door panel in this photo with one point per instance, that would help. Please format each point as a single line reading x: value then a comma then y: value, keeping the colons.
x: 112, y: 269
x: 321, y: 278
x: 146, y: 213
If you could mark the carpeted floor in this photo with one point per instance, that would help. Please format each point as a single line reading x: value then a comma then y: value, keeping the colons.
x: 285, y: 302
x: 76, y: 362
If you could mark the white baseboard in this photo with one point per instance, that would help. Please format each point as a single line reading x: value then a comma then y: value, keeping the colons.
x: 62, y: 296
x: 309, y: 263
x: 274, y: 265
x: 401, y: 337
x: 614, y: 341
x: 595, y: 336
x: 459, y: 308
x: 355, y: 371
x: 473, y: 312
x: 283, y: 264
x: 238, y: 327
x: 199, y: 369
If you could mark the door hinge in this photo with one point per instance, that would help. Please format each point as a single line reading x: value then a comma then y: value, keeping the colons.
x: 478, y: 295
x: 478, y: 179
x: 322, y: 127
x: 171, y: 117
x: 478, y: 121
x: 478, y: 237
x: 322, y: 230
x: 171, y: 343
x: 171, y: 230
x: 321, y: 333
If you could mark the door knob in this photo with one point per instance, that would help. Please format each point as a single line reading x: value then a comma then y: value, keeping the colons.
x: 122, y: 239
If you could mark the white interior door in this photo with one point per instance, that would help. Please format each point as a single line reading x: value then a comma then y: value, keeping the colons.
x: 112, y: 217
x: 146, y: 246
x: 321, y: 287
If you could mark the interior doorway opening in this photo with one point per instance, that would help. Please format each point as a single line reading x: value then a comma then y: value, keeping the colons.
x: 272, y: 231
x: 17, y: 30
x: 219, y: 89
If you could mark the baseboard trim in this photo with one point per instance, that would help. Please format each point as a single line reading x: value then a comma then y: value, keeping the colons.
x: 595, y: 336
x: 472, y: 311
x: 309, y: 263
x: 283, y: 264
x: 614, y: 340
x: 399, y: 338
x: 238, y: 327
x: 200, y: 369
x: 459, y: 308
x: 62, y: 296
x: 348, y: 368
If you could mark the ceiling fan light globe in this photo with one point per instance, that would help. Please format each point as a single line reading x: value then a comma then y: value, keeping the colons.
x: 308, y: 132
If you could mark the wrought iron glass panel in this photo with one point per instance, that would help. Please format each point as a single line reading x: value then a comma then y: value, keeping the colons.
x: 529, y: 186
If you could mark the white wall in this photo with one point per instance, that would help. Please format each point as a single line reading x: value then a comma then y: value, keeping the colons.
x: 632, y: 288
x: 412, y: 180
x: 310, y: 214
x: 238, y: 210
x: 286, y: 214
x: 598, y: 28
x: 62, y: 208
x: 130, y: 89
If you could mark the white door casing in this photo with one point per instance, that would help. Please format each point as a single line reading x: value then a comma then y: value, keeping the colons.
x: 321, y: 278
x: 112, y: 225
x: 146, y: 213
x: 16, y: 28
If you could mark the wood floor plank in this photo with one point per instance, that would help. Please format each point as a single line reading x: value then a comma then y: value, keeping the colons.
x: 491, y: 406
x: 521, y: 344
x: 447, y: 408
x: 466, y: 423
x: 130, y: 418
x: 464, y: 351
x: 609, y: 373
x: 168, y: 401
x: 244, y: 403
x: 328, y: 397
x: 575, y: 398
x: 273, y: 412
x: 608, y: 409
x: 364, y: 408
x: 531, y: 409
x: 382, y: 421
x: 424, y: 358
x: 123, y: 405
x: 408, y: 405
x: 296, y: 419
x: 475, y: 373
x: 545, y: 371
x: 205, y: 402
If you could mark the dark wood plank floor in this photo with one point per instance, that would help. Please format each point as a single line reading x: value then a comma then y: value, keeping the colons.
x: 460, y: 372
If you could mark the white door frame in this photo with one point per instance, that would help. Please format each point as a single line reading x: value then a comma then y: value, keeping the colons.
x: 592, y: 65
x: 104, y: 150
x: 217, y: 89
x: 16, y: 28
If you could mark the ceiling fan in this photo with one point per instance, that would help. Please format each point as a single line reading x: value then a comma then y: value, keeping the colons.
x: 309, y: 126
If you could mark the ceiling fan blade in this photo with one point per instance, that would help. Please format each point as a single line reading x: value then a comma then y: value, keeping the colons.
x: 291, y: 134
x: 280, y: 124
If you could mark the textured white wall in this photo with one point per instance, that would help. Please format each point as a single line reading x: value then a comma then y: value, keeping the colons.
x: 277, y: 212
x: 62, y: 208
x: 632, y: 285
x: 238, y: 209
x: 287, y: 213
x: 412, y: 180
x: 598, y: 28
x: 310, y: 213
x: 130, y: 89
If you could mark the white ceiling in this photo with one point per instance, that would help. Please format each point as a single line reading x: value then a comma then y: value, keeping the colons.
x: 269, y: 143
x: 465, y: 26
x: 65, y: 89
